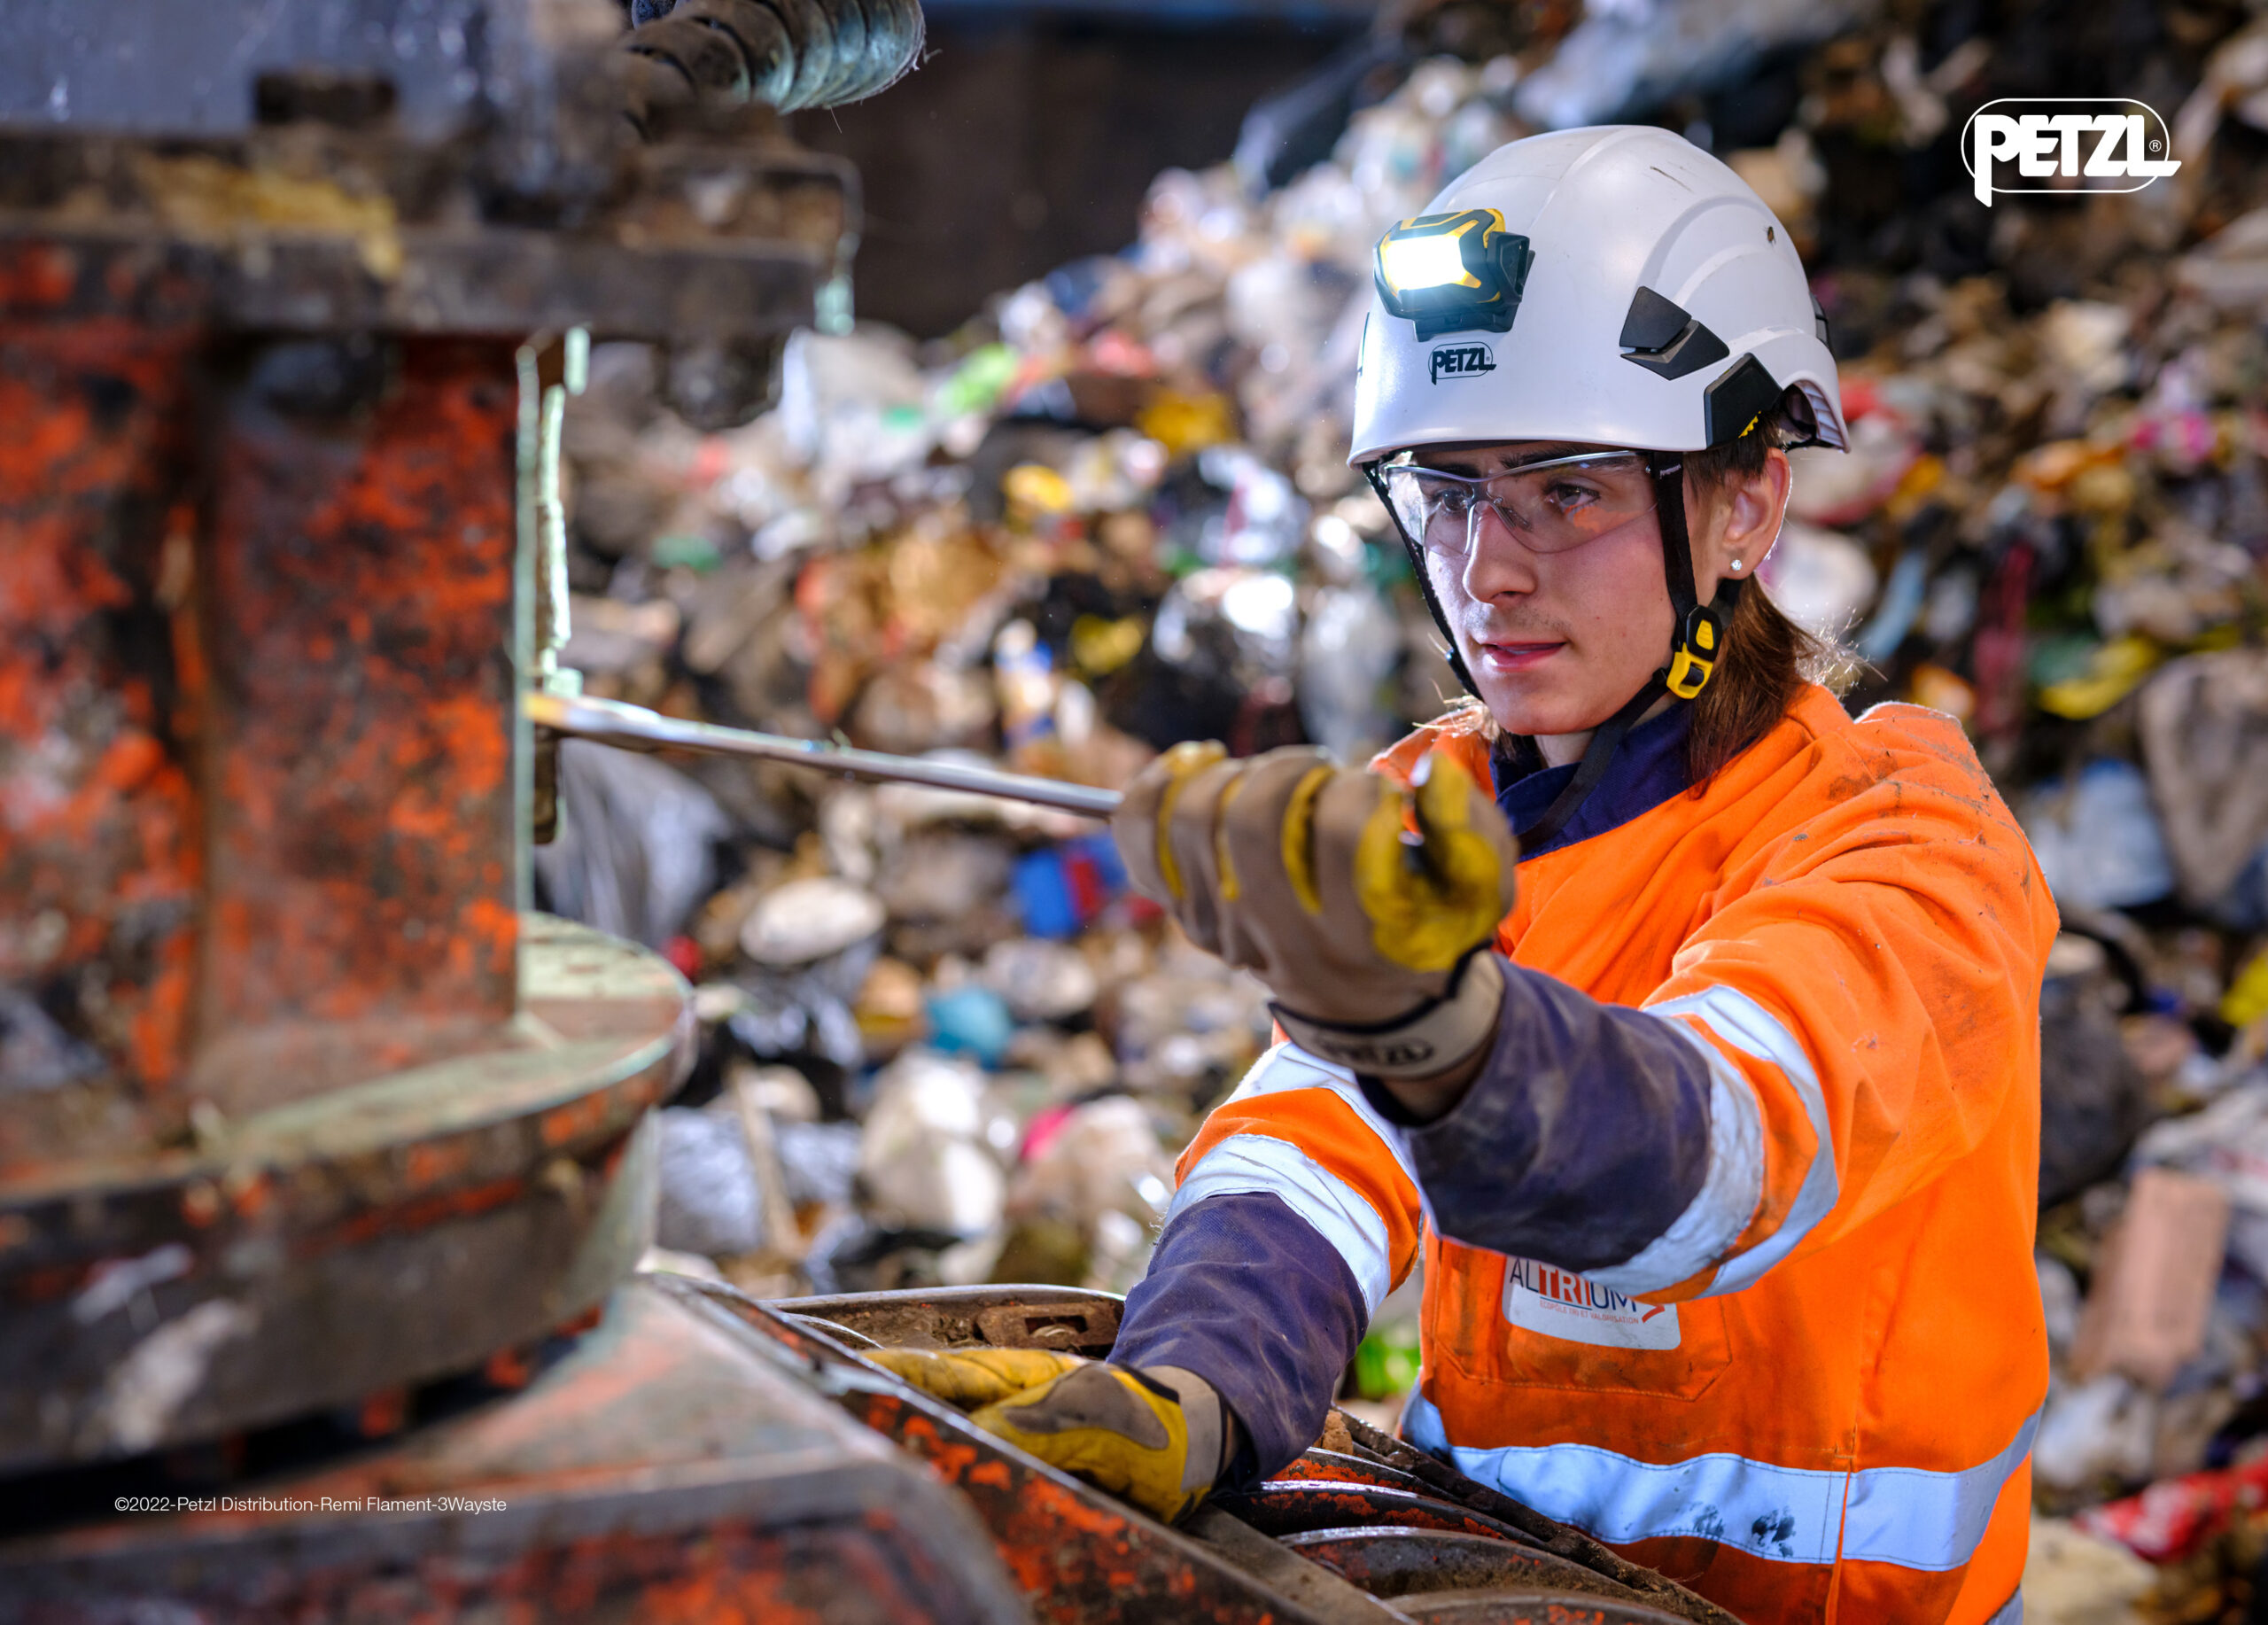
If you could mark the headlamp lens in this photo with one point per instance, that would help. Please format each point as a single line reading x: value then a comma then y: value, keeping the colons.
x: 1435, y: 261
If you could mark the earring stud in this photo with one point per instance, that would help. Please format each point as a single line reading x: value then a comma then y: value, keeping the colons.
x: 1735, y: 566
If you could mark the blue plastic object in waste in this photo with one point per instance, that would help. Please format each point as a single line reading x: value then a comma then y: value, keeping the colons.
x: 970, y: 1021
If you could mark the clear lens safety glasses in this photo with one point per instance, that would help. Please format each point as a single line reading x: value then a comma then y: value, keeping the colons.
x: 1548, y: 506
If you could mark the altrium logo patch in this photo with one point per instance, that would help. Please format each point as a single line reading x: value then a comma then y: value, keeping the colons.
x: 2104, y: 143
x: 1555, y: 1303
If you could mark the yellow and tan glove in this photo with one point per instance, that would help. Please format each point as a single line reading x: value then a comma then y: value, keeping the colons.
x: 1304, y: 873
x: 1158, y: 1438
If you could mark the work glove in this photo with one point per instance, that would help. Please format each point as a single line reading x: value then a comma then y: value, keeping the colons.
x: 1158, y: 1438
x: 1372, y: 940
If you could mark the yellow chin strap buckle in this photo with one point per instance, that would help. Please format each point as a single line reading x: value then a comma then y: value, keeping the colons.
x: 1700, y: 645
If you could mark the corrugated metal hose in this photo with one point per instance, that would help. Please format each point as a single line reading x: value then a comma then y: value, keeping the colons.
x: 792, y: 54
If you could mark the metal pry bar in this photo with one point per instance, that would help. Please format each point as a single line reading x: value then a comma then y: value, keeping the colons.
x: 635, y: 727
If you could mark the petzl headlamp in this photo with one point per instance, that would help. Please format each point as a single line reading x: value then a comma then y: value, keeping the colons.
x: 1453, y: 273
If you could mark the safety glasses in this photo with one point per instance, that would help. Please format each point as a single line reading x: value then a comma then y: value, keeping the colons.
x: 1548, y: 506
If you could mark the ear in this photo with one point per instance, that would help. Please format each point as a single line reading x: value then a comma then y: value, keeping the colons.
x: 1744, y: 522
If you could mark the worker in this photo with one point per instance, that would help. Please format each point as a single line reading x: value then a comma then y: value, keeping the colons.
x: 1718, y: 1132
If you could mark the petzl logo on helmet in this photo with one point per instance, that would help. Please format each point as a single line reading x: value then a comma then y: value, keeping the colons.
x: 2088, y: 144
x: 1462, y: 360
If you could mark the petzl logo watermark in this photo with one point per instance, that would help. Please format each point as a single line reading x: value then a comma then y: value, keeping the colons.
x: 1462, y: 360
x: 2090, y: 144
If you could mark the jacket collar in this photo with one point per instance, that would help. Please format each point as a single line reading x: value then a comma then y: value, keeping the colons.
x: 1647, y: 770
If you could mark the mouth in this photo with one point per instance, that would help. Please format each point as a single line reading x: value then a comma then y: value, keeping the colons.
x: 1506, y: 657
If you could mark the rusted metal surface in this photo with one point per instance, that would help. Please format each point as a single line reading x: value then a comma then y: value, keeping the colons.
x: 1494, y: 1608
x: 1293, y: 1506
x: 96, y: 785
x: 256, y: 565
x: 291, y: 718
x: 1063, y: 1318
x: 288, y: 1118
x: 1391, y: 1561
x: 335, y: 1246
x: 1285, y: 1572
x: 357, y: 727
x: 1082, y: 1556
x: 1338, y: 1466
x: 673, y: 1468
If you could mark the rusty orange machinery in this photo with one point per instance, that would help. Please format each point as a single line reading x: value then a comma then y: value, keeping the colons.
x: 299, y: 1101
x: 312, y: 1135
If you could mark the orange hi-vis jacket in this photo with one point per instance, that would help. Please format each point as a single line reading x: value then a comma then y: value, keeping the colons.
x: 1812, y: 1396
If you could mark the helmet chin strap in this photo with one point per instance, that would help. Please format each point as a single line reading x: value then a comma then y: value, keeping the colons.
x: 1695, y: 647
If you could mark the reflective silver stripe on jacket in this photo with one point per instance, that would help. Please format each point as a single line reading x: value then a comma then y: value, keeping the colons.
x: 1258, y: 1163
x: 1909, y: 1516
x: 1730, y: 1190
x: 1251, y: 1160
x: 1740, y: 1022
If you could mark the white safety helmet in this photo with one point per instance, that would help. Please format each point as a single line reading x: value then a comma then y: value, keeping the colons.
x: 1631, y: 290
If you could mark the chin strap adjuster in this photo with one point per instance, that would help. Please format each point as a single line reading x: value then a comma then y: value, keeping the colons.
x: 1693, y: 658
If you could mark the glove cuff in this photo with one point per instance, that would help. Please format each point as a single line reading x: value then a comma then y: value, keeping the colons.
x: 1212, y: 1438
x: 1433, y: 1038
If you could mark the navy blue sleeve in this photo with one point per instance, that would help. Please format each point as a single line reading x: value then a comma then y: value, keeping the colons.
x: 1248, y: 1296
x: 1583, y: 1138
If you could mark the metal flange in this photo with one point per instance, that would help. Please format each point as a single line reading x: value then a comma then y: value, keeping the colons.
x: 348, y: 1241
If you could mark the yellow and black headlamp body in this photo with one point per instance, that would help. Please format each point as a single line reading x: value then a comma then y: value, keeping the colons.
x: 1453, y: 273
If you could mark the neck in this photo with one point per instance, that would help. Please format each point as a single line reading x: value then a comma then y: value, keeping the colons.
x: 1559, y: 750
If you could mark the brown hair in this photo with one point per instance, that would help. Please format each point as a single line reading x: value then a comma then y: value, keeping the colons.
x: 1768, y: 658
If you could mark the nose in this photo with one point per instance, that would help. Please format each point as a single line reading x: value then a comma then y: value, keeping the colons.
x: 1497, y: 562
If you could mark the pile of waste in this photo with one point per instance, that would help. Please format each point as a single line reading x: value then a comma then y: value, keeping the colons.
x: 940, y: 1041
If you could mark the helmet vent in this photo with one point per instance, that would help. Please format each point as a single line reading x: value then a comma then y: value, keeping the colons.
x: 1659, y: 336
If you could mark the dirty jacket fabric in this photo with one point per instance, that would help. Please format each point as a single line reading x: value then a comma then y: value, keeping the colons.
x: 1729, y: 1249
